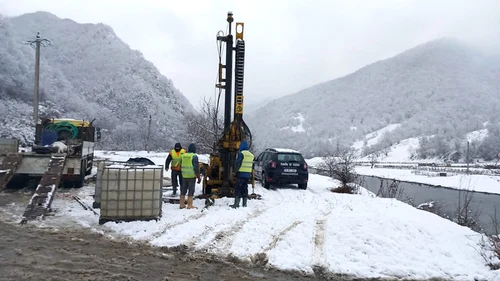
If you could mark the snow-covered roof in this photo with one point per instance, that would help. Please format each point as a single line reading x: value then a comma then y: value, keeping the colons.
x: 285, y: 150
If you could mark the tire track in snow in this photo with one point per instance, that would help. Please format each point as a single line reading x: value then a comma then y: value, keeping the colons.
x: 223, y: 238
x: 226, y: 232
x: 278, y: 237
x: 319, y: 263
x: 167, y: 226
x: 313, y: 191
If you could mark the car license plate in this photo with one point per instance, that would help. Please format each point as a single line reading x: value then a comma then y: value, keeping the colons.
x: 290, y: 170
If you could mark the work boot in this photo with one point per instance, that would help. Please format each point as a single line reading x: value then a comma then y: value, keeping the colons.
x: 245, y: 201
x: 236, y: 203
x: 182, y: 202
x: 190, y: 203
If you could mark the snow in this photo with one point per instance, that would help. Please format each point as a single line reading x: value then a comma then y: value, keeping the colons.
x: 49, y: 195
x: 426, y: 205
x: 296, y: 229
x: 285, y: 150
x: 157, y: 157
x: 118, y: 166
x: 403, y: 151
x: 479, y: 183
x: 299, y: 128
x: 315, y: 162
x: 374, y: 137
x: 61, y: 147
x: 478, y: 135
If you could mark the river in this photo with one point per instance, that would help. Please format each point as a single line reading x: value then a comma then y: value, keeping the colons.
x: 483, y: 206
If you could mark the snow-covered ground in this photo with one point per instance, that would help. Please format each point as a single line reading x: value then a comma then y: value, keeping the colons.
x: 157, y: 157
x: 302, y: 229
x: 400, y: 152
x: 480, y: 183
x: 374, y: 137
x: 405, y: 150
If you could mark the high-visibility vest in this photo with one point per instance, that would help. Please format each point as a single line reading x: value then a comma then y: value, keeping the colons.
x: 176, y: 158
x: 187, y: 167
x: 247, y: 162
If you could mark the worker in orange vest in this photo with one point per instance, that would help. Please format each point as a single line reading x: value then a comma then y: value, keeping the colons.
x: 174, y: 158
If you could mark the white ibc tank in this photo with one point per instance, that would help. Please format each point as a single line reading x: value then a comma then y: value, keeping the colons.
x: 131, y: 193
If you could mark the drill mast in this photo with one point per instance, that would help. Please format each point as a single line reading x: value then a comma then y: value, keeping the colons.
x: 219, y: 181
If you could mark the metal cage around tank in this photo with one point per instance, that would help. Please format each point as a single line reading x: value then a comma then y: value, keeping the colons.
x: 130, y: 192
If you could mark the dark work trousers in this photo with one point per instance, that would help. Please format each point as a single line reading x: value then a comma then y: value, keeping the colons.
x: 176, y: 183
x: 242, y: 188
x: 188, y: 187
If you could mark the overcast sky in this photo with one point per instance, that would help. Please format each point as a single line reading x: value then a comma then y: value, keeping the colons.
x: 290, y: 45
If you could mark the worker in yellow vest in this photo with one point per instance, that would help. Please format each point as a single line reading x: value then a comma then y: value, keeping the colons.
x: 174, y: 158
x: 190, y: 172
x: 243, y: 168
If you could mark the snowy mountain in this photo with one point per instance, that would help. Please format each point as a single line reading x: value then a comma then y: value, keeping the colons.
x: 252, y: 106
x: 87, y: 72
x: 440, y: 90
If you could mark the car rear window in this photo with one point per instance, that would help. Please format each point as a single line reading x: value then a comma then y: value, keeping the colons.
x: 290, y: 157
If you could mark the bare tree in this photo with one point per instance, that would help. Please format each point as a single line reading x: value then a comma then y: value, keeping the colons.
x: 495, y: 221
x: 373, y: 159
x: 205, y: 127
x: 489, y: 248
x: 340, y: 166
x: 466, y: 214
x: 392, y: 189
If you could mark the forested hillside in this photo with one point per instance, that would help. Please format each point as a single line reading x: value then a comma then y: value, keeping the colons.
x: 442, y: 89
x: 87, y: 72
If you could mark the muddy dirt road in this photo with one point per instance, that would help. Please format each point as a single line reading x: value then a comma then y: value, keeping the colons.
x: 27, y: 253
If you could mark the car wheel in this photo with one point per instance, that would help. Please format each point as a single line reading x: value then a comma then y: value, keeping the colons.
x: 303, y: 186
x: 265, y: 184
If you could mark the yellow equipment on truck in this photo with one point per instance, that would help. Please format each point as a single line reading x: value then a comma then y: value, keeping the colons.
x: 62, y: 154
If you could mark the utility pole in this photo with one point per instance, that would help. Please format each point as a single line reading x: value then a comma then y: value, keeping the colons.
x: 36, y: 44
x: 467, y: 157
x: 149, y: 133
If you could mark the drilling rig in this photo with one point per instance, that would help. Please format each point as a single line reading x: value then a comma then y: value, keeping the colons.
x: 219, y: 180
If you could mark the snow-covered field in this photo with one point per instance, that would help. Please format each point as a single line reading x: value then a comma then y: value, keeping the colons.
x: 303, y: 229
